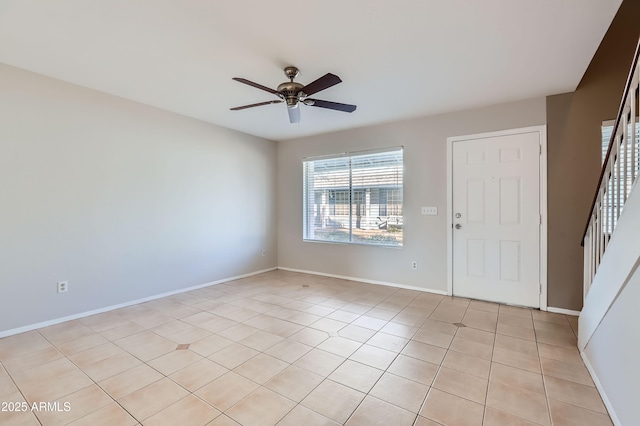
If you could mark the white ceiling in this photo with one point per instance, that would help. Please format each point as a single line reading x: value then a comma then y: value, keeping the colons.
x: 397, y: 59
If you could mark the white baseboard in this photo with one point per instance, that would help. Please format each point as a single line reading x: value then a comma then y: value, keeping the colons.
x: 563, y: 311
x: 603, y: 395
x: 363, y: 280
x: 124, y: 305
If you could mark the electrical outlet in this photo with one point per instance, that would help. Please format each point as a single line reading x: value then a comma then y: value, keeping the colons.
x: 414, y: 265
x: 264, y: 252
x: 63, y: 286
x: 430, y: 211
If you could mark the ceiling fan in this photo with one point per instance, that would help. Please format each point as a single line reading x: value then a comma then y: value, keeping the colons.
x: 293, y: 94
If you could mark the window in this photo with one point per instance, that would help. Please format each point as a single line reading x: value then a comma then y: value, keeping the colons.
x: 610, y: 202
x: 607, y: 129
x: 354, y: 198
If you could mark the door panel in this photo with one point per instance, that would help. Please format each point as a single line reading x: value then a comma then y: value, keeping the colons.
x: 476, y: 258
x: 496, y: 238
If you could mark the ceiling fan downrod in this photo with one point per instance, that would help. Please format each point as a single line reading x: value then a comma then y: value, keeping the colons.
x: 290, y: 91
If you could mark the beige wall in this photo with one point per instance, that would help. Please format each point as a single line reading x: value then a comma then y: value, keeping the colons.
x: 424, y: 142
x: 122, y: 200
x: 574, y: 153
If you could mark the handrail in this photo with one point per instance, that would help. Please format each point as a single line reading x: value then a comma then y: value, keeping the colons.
x: 619, y: 173
x: 627, y: 87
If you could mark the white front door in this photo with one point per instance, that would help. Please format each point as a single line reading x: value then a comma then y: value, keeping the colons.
x: 496, y: 218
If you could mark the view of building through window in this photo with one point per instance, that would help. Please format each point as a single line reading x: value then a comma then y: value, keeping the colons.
x: 354, y: 198
x: 627, y: 159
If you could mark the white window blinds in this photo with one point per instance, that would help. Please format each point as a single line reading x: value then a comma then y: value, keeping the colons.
x: 354, y: 198
x: 627, y: 160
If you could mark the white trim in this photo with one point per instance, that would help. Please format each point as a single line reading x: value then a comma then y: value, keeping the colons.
x: 563, y: 311
x: 449, y: 214
x: 125, y: 304
x: 353, y: 153
x: 364, y: 280
x: 603, y: 395
x: 542, y: 131
x: 543, y: 214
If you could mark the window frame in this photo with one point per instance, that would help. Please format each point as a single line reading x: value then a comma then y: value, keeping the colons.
x: 360, y: 199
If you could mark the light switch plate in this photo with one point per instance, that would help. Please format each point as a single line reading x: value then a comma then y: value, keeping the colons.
x: 430, y: 211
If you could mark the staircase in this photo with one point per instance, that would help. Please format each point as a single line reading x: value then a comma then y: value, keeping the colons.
x: 609, y: 334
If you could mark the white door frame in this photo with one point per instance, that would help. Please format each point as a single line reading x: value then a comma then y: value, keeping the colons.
x: 542, y: 131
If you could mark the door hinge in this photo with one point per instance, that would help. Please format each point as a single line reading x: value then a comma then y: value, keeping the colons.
x: 540, y: 149
x: 540, y: 289
x: 539, y: 219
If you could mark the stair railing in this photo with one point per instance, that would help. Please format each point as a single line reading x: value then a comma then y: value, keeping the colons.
x: 617, y: 178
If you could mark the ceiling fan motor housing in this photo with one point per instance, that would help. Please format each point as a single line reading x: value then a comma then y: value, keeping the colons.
x: 289, y: 92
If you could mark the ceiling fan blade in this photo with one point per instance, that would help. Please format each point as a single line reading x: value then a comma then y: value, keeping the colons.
x: 322, y: 83
x: 251, y: 83
x: 254, y: 105
x: 330, y: 105
x: 294, y: 115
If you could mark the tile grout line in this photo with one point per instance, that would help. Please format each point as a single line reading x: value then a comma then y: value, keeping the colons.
x: 543, y: 376
x: 493, y: 347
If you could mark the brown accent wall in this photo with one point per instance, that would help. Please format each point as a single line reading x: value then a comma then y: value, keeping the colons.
x: 574, y: 153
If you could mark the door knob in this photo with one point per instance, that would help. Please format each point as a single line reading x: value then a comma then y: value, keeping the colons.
x: 458, y: 226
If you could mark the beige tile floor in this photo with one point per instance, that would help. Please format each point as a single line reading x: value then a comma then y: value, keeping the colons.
x: 293, y: 349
